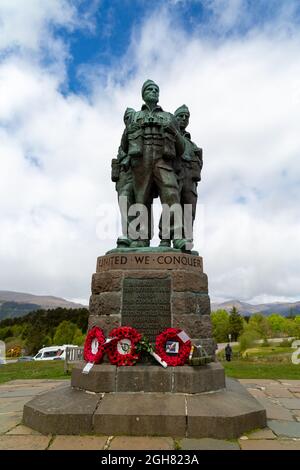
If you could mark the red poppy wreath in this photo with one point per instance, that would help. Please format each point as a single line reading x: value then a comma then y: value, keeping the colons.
x: 171, y: 349
x: 94, y: 345
x: 121, y: 350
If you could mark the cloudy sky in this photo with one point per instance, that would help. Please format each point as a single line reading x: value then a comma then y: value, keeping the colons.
x: 68, y: 70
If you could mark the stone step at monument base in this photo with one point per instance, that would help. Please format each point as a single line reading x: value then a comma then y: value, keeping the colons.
x: 148, y: 378
x: 224, y: 414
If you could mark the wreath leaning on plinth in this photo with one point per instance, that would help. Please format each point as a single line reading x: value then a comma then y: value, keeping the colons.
x: 94, y: 345
x: 122, y: 349
x: 171, y: 348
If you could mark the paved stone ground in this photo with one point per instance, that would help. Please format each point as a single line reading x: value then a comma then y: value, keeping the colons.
x: 281, y: 399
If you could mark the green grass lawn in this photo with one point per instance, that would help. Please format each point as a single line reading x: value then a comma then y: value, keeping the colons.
x: 33, y: 370
x: 242, y: 369
x: 270, y: 351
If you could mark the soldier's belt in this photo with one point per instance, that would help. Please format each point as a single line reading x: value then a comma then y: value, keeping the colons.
x: 153, y: 136
x: 156, y: 143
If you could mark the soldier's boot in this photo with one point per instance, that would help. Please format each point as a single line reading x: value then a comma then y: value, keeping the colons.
x: 123, y: 242
x: 165, y: 243
x: 183, y: 244
x: 140, y: 244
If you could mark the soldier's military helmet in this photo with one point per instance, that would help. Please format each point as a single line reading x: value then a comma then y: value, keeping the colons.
x: 182, y: 109
x: 128, y: 113
x: 146, y: 84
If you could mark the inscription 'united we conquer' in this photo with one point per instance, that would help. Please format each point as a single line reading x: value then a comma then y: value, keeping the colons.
x: 149, y: 261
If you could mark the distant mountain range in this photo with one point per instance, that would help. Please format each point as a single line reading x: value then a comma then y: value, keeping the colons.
x: 18, y: 304
x: 245, y: 309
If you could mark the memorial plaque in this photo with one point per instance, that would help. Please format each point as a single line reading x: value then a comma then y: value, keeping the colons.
x: 146, y: 305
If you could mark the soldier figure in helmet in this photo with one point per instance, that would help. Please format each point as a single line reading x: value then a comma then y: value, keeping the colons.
x: 153, y: 143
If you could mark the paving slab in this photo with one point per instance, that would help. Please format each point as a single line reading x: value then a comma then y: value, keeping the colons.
x: 78, y: 443
x: 294, y: 389
x: 291, y: 403
x: 278, y: 391
x: 265, y: 433
x: 208, y: 444
x: 285, y: 428
x: 33, y: 382
x: 255, y: 392
x: 24, y: 442
x: 13, y: 404
x: 22, y: 430
x: 269, y: 444
x: 275, y: 411
x: 9, y: 421
x: 21, y: 392
x: 259, y: 382
x: 141, y: 443
x: 294, y: 383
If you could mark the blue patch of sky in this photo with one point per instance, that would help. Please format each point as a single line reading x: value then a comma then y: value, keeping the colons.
x: 241, y: 200
x: 115, y: 20
x: 109, y: 41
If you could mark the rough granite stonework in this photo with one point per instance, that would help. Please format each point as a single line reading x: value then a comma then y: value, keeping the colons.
x: 189, y: 299
x: 105, y: 303
x: 196, y: 326
x: 208, y: 344
x: 148, y: 274
x: 199, y: 379
x: 149, y: 378
x: 184, y: 281
x: 145, y: 378
x: 107, y: 282
x: 190, y: 302
x: 105, y: 322
x: 101, y: 378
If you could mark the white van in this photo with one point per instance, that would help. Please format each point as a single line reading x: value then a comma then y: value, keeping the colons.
x: 53, y: 353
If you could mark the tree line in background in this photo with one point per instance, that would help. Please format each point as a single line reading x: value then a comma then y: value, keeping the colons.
x: 69, y: 326
x: 257, y: 326
x: 44, y: 328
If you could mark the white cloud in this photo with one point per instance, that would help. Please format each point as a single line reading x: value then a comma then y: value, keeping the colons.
x: 55, y: 153
x: 26, y: 24
x: 225, y: 13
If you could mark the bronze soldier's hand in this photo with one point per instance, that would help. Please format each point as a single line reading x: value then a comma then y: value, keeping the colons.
x: 125, y: 163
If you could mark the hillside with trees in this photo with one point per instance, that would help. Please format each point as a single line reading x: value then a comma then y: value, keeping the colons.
x: 257, y: 326
x: 45, y: 328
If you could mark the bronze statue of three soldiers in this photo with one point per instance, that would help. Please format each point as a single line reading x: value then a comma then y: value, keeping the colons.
x: 157, y: 157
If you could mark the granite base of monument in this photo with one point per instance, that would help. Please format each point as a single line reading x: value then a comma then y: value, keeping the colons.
x: 150, y: 291
x: 150, y: 378
x: 223, y: 414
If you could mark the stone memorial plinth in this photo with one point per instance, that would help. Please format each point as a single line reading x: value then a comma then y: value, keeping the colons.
x: 151, y: 292
x: 105, y: 378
